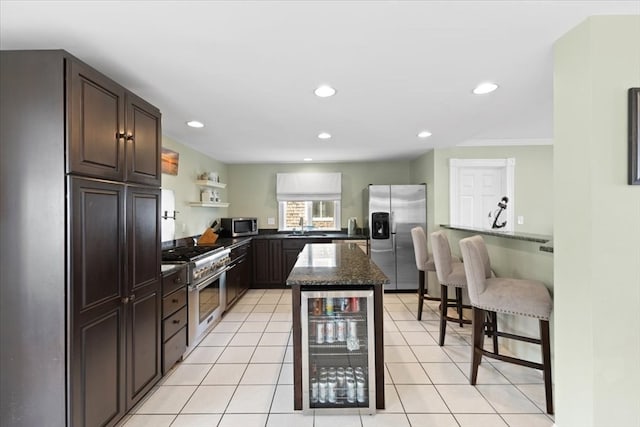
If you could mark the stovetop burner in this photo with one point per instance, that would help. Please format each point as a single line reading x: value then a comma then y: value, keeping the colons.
x: 187, y: 253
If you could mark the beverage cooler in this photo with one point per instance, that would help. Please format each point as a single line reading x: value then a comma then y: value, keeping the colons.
x: 338, y: 352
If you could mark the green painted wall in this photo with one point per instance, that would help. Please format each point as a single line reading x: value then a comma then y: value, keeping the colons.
x: 252, y: 187
x: 192, y: 221
x: 597, y: 226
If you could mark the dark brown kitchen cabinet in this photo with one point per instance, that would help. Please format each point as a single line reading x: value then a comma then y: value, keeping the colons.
x: 267, y: 263
x: 174, y: 317
x: 99, y: 317
x: 114, y: 134
x: 116, y: 297
x: 143, y: 290
x: 239, y: 273
x: 143, y: 141
x: 80, y: 328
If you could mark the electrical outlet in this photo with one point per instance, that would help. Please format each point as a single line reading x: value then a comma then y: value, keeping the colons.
x: 271, y: 221
x: 520, y: 220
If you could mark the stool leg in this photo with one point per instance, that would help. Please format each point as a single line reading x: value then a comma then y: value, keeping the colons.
x: 494, y: 328
x: 421, y: 290
x: 546, y: 364
x: 444, y: 302
x: 459, y: 305
x: 478, y: 343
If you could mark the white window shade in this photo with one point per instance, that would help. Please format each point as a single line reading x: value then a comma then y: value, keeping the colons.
x: 308, y: 186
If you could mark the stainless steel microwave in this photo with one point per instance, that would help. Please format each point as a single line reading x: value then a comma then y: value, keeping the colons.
x: 238, y: 227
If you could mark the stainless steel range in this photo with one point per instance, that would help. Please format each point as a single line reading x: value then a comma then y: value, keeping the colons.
x: 206, y: 275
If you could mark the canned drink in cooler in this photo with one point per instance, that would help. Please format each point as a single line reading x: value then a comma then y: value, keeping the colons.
x: 353, y: 329
x: 320, y: 333
x: 332, y: 392
x: 341, y: 333
x: 314, y: 390
x: 329, y: 306
x: 351, y: 390
x: 360, y: 390
x: 322, y: 390
x: 340, y: 378
x: 355, y: 304
x: 330, y: 331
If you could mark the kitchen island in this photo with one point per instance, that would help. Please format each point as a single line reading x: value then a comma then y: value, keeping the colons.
x: 336, y: 269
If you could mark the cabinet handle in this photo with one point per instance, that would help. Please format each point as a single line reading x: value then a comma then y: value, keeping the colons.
x: 132, y: 297
x: 120, y: 135
x: 175, y: 300
x: 125, y: 300
x: 130, y: 138
x: 176, y: 321
x: 179, y: 280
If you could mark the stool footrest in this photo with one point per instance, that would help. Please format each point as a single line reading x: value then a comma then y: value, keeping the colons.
x: 514, y: 360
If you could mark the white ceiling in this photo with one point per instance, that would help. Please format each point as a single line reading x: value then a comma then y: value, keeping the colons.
x: 248, y: 69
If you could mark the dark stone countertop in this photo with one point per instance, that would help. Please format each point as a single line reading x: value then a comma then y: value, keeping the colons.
x: 546, y: 240
x: 335, y: 264
x: 312, y: 235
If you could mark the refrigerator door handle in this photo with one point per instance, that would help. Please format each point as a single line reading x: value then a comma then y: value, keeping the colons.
x: 393, y: 243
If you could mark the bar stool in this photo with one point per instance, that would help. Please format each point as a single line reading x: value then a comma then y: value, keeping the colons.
x: 424, y: 264
x: 505, y: 295
x: 450, y: 272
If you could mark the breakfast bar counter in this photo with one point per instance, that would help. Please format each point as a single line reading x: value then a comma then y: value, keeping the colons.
x: 337, y: 294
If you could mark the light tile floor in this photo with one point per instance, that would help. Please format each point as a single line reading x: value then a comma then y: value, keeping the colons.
x: 241, y: 375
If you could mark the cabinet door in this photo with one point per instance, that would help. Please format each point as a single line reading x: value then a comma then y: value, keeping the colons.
x: 143, y: 141
x: 96, y: 124
x: 267, y: 265
x: 245, y: 267
x: 143, y: 291
x: 97, y: 240
x: 232, y: 283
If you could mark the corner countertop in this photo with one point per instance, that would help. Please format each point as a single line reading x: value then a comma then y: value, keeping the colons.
x: 335, y: 264
x: 547, y: 241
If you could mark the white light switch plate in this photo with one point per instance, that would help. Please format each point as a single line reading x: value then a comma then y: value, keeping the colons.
x: 271, y: 221
x: 520, y: 220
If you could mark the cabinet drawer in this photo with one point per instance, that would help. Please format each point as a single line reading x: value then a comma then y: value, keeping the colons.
x: 175, y: 280
x: 174, y: 302
x: 173, y: 349
x: 171, y: 324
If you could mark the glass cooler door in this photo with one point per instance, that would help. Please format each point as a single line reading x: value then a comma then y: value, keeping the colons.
x: 338, y: 353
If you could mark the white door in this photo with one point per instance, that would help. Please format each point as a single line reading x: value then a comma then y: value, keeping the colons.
x: 477, y: 186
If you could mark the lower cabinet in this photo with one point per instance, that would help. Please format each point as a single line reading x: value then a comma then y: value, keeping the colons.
x: 239, y: 274
x: 174, y: 317
x: 115, y: 282
x: 267, y: 263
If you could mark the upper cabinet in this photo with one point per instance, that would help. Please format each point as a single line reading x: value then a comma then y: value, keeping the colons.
x: 143, y: 141
x: 113, y: 134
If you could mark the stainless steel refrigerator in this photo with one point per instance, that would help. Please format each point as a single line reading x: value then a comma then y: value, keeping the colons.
x: 391, y: 211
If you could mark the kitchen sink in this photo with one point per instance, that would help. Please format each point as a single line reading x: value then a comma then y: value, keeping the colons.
x: 306, y: 234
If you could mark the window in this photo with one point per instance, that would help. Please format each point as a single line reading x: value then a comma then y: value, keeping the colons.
x: 315, y: 214
x: 312, y: 197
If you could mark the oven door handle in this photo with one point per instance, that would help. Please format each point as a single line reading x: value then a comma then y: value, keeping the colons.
x: 200, y: 286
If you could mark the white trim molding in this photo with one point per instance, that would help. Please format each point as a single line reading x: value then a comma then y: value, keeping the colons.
x: 505, y: 142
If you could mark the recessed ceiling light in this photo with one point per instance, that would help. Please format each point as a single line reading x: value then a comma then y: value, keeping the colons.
x: 195, y: 124
x: 324, y: 135
x: 424, y: 134
x: 324, y: 91
x: 307, y: 159
x: 486, y: 87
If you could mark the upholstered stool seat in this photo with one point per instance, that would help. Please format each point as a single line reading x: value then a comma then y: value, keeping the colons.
x: 450, y: 272
x: 505, y: 295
